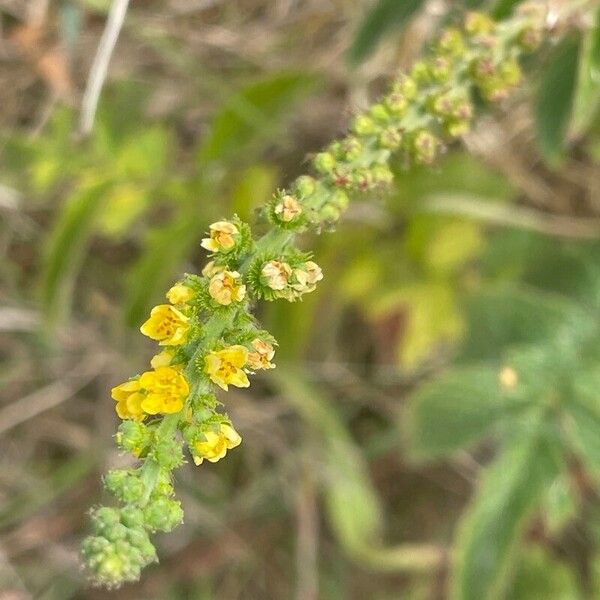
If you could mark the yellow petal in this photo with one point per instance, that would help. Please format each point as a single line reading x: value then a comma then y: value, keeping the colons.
x: 121, y: 392
x: 209, y: 244
x: 152, y: 404
x: 239, y: 379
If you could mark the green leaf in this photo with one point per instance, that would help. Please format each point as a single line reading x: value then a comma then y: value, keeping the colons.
x: 541, y: 577
x: 503, y: 8
x: 587, y: 93
x: 385, y: 16
x: 352, y: 503
x: 518, y: 315
x: 509, y: 491
x: 254, y: 114
x: 554, y: 101
x: 66, y: 248
x: 583, y: 418
x: 163, y: 251
x: 455, y: 411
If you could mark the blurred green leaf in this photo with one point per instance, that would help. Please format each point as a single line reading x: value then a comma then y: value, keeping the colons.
x: 509, y: 491
x: 554, y: 100
x: 352, y: 503
x: 503, y: 8
x: 123, y: 205
x: 587, y: 93
x: 164, y: 249
x: 456, y: 410
x: 517, y: 315
x: 254, y: 186
x: 144, y: 154
x: 384, y: 16
x: 583, y: 418
x: 559, y: 505
x: 432, y: 318
x: 254, y: 114
x: 66, y: 248
x: 541, y: 577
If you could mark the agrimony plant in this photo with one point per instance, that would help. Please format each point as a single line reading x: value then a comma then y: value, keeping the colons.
x: 207, y: 335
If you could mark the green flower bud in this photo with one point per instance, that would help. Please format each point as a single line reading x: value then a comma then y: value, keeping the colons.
x: 329, y: 213
x: 396, y: 103
x: 363, y: 125
x: 339, y: 199
x: 163, y: 514
x: 456, y: 129
x: 362, y: 180
x: 451, y: 43
x: 420, y: 73
x: 390, y: 138
x: 305, y: 186
x: 138, y: 538
x: 125, y: 485
x: 324, y: 163
x: 379, y: 113
x: 167, y: 453
x: 351, y: 148
x: 440, y: 69
x: 477, y: 23
x: 530, y: 39
x: 510, y: 72
x: 104, y: 518
x: 382, y: 174
x: 425, y: 147
x: 114, y: 533
x: 132, y: 517
x: 133, y: 437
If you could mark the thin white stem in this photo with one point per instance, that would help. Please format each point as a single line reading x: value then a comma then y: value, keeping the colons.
x: 99, y: 69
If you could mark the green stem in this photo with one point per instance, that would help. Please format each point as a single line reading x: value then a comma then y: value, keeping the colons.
x: 150, y: 470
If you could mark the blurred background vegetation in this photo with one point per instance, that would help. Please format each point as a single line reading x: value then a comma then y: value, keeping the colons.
x: 440, y: 389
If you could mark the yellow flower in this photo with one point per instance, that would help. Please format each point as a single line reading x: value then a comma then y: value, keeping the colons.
x: 226, y: 367
x: 225, y: 288
x: 216, y: 444
x: 165, y: 390
x: 275, y: 274
x: 211, y: 269
x: 167, y: 325
x: 129, y: 400
x: 288, y: 208
x: 307, y: 277
x: 261, y: 357
x: 162, y: 359
x: 221, y: 237
x: 180, y: 294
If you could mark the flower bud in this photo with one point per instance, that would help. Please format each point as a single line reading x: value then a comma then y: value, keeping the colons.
x: 305, y: 186
x: 379, y: 113
x: 363, y: 125
x: 133, y: 437
x: 324, y: 163
x: 440, y: 69
x: 477, y: 23
x: 382, y: 174
x: 286, y: 208
x: 451, y: 43
x: 163, y: 514
x: 390, y: 138
x: 167, y: 453
x: 132, y: 517
x: 425, y: 146
x: 420, y: 73
x: 350, y: 148
x: 125, y: 485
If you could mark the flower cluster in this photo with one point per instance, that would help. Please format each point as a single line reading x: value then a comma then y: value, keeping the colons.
x: 209, y: 340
